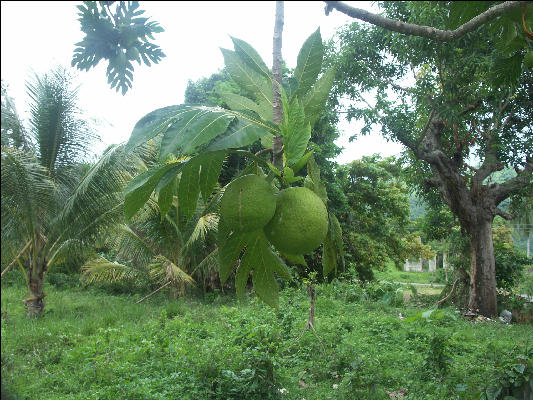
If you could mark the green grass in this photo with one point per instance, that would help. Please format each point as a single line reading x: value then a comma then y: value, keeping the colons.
x: 90, y: 345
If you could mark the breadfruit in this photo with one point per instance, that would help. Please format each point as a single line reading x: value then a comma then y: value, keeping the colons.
x: 300, y: 223
x: 248, y: 203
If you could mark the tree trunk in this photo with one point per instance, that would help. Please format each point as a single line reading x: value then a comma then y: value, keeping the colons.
x: 38, y: 267
x: 34, y: 303
x: 483, y: 293
x: 529, y: 245
x: 277, y: 112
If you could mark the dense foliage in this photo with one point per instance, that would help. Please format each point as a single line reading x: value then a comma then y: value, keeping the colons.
x: 376, y: 219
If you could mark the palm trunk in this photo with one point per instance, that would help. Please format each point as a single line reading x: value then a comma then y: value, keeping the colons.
x: 34, y: 303
x: 38, y: 267
x: 483, y: 293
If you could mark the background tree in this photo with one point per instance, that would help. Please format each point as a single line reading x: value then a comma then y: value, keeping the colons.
x: 450, y: 103
x: 376, y: 221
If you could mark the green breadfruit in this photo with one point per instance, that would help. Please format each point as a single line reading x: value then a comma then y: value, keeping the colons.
x: 300, y: 223
x: 248, y: 203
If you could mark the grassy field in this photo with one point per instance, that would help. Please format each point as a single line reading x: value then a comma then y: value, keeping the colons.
x: 91, y: 345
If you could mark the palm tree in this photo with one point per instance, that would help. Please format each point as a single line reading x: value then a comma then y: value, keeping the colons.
x: 168, y: 251
x: 53, y: 206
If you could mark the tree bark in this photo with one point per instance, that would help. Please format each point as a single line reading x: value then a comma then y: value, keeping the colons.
x: 482, y: 298
x: 277, y: 61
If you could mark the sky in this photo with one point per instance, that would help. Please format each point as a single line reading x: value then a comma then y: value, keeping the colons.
x: 36, y: 36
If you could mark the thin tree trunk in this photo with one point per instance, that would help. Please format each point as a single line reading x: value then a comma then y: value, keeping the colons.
x: 311, y: 314
x: 483, y: 293
x: 529, y: 245
x: 277, y: 61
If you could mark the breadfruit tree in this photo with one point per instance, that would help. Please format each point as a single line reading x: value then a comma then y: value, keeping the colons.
x: 262, y: 214
x: 459, y: 100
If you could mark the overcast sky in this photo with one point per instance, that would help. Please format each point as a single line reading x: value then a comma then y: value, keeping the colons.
x: 36, y: 36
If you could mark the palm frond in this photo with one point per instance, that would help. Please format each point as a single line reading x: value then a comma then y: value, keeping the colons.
x: 163, y: 270
x: 28, y: 196
x: 102, y: 270
x: 206, y: 223
x: 133, y: 247
x: 96, y: 203
x: 13, y: 133
x: 61, y: 135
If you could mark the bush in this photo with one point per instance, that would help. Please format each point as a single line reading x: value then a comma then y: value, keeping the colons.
x: 510, y: 266
x: 513, y: 377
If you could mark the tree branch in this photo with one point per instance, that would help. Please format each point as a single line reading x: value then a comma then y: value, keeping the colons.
x: 503, y: 214
x: 449, y: 294
x: 264, y: 151
x: 421, y: 30
x: 499, y: 192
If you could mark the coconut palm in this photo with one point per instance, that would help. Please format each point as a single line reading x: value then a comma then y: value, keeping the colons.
x: 166, y: 251
x: 53, y: 206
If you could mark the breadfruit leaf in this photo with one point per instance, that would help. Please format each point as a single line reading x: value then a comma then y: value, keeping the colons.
x: 165, y: 189
x: 238, y: 103
x: 188, y: 189
x: 242, y: 132
x: 230, y: 245
x: 309, y: 62
x: 301, y: 162
x: 336, y: 234
x: 202, y: 128
x: 316, y: 98
x: 296, y: 144
x: 265, y: 285
x: 211, y: 166
x: 295, y: 132
x: 265, y: 263
x: 251, y: 57
x: 185, y: 128
x: 314, y: 183
x: 141, y: 187
x: 247, y: 78
x: 329, y: 254
x: 154, y: 123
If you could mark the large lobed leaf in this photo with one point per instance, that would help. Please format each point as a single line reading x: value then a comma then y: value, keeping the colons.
x: 186, y: 128
x: 247, y: 77
x: 309, y: 62
x: 251, y: 57
x: 316, y: 98
x: 296, y: 133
